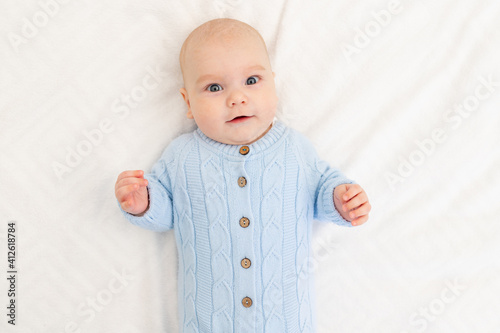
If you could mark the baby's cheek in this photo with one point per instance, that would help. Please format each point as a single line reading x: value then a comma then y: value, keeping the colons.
x: 271, y: 102
x: 274, y: 97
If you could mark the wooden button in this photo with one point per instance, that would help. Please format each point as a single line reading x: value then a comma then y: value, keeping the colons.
x: 244, y: 222
x: 242, y: 181
x: 247, y: 302
x: 245, y: 263
x: 244, y: 150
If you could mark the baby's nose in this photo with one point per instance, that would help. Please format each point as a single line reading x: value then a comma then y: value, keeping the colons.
x: 237, y: 97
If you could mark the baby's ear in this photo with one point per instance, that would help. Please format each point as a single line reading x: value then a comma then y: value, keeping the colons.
x: 184, y: 94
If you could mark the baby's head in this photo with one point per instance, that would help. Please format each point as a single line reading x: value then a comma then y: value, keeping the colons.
x: 228, y: 82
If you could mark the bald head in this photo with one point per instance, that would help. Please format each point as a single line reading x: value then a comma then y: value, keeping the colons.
x: 220, y: 30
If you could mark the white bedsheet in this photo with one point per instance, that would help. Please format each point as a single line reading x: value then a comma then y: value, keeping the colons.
x: 402, y: 96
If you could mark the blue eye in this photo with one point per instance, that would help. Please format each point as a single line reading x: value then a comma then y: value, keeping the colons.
x: 214, y: 87
x: 252, y: 80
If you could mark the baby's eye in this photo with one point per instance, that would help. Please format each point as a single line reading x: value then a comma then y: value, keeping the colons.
x: 252, y: 80
x: 214, y: 87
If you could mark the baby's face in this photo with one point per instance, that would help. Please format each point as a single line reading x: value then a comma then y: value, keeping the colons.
x: 229, y: 89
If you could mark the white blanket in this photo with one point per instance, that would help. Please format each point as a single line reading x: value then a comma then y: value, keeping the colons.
x: 402, y: 96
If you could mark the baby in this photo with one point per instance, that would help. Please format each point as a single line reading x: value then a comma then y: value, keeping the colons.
x: 240, y: 193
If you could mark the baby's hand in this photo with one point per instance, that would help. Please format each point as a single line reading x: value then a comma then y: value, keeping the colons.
x: 131, y: 191
x: 352, y: 203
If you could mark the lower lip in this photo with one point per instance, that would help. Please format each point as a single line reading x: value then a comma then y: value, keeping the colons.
x: 238, y: 120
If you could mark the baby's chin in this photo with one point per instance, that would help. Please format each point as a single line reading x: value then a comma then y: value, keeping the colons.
x: 247, y: 139
x: 237, y: 140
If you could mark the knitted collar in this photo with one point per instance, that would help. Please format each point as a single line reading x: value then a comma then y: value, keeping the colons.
x: 272, y: 137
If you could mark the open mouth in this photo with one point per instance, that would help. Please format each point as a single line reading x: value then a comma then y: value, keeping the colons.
x: 238, y: 119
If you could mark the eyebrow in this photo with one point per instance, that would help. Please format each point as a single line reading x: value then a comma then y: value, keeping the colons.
x: 207, y: 77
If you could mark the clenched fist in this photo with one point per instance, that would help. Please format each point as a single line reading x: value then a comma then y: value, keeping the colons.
x: 352, y: 203
x: 131, y: 192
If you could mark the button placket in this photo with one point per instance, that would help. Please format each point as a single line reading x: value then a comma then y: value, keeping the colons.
x: 244, y: 223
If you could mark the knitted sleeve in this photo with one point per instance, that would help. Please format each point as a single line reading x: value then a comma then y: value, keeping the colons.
x: 322, y: 180
x: 159, y: 216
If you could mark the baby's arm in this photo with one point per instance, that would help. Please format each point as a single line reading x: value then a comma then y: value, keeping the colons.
x: 352, y: 203
x: 146, y: 199
x: 329, y: 186
x: 131, y: 192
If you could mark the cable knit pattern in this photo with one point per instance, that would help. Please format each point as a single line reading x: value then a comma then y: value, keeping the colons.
x: 188, y: 260
x: 303, y: 234
x: 215, y: 201
x: 271, y: 241
x: 187, y: 237
x: 194, y: 188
